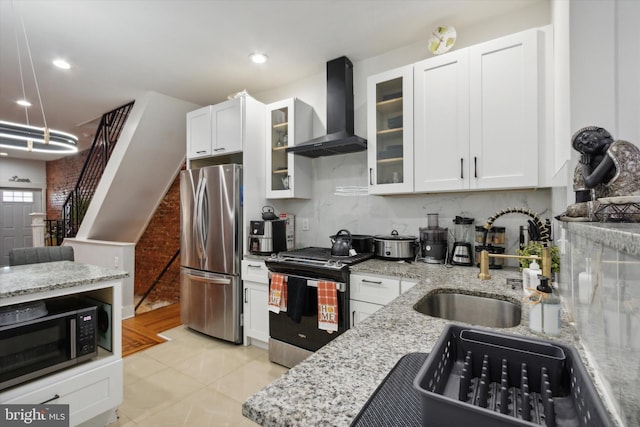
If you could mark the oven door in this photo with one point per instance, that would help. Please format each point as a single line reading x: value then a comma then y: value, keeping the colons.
x: 306, y: 334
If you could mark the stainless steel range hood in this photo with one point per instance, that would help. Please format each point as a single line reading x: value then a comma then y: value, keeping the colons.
x: 340, y: 137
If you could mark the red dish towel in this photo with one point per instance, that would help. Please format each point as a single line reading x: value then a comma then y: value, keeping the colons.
x: 327, y: 306
x: 278, y: 293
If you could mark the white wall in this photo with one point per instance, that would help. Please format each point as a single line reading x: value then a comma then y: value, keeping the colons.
x: 328, y: 212
x: 119, y: 255
x: 598, y: 78
x: 33, y: 170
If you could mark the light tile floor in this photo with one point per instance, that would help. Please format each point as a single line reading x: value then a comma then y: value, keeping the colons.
x: 192, y: 381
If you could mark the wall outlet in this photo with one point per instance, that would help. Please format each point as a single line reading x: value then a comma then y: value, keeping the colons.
x: 305, y: 224
x: 116, y: 262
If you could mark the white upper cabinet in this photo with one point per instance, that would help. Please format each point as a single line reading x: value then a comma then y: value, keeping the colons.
x: 390, y: 131
x: 505, y: 100
x: 477, y: 123
x: 219, y: 129
x: 199, y: 132
x: 289, y: 122
x: 227, y: 123
x: 441, y: 159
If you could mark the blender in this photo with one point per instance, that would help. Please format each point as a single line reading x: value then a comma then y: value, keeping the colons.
x: 462, y: 252
x: 433, y: 241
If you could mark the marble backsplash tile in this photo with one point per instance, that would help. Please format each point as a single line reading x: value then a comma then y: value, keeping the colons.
x: 332, y: 209
x: 600, y: 284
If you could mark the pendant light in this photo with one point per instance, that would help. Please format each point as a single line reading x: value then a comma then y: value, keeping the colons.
x: 25, y: 137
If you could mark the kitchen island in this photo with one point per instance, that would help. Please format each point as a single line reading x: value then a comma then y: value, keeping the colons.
x: 331, y: 386
x: 92, y: 389
x: 22, y: 282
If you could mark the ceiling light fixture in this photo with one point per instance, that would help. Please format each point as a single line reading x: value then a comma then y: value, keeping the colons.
x: 17, y: 136
x: 62, y: 64
x: 258, y: 58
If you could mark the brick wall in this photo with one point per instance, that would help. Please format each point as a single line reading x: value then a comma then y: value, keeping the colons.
x: 62, y: 175
x: 158, y: 243
x: 155, y: 248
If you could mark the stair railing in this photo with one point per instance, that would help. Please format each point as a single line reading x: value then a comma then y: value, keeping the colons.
x: 77, y: 202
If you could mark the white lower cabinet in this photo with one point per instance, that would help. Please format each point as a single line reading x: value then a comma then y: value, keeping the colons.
x: 405, y: 285
x: 255, y: 287
x: 93, y: 389
x: 87, y: 393
x: 361, y: 310
x: 370, y: 293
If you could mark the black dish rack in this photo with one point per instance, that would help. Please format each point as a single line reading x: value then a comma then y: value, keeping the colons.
x: 490, y: 378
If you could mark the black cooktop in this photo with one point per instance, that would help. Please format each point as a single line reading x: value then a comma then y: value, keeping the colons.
x: 323, y: 254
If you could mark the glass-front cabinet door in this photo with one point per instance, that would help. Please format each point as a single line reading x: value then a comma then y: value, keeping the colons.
x: 288, y: 124
x: 390, y: 131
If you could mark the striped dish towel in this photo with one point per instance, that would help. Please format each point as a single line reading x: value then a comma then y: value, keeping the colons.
x: 277, y: 293
x: 327, y: 306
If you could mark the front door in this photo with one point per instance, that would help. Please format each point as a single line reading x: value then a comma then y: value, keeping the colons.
x: 15, y: 222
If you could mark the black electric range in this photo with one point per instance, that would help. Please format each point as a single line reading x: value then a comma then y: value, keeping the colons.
x: 314, y: 262
x: 292, y: 340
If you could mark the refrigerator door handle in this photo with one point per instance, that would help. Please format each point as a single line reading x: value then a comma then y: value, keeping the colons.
x: 200, y: 216
x: 204, y: 212
x: 212, y: 280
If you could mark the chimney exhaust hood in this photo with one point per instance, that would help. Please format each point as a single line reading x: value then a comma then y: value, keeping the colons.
x: 340, y: 137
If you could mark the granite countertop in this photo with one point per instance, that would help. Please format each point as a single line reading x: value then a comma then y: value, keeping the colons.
x: 330, y: 387
x: 34, y: 278
x: 624, y: 237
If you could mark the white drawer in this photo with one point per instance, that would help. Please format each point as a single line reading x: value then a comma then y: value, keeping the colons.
x: 377, y: 290
x: 255, y: 271
x: 88, y: 394
x: 405, y: 285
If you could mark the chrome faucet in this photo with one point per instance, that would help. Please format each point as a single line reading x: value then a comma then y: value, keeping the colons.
x: 545, y: 258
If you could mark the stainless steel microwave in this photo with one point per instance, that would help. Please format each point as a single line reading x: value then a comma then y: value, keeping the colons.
x: 64, y: 335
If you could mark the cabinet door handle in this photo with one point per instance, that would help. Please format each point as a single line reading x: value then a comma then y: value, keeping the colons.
x: 370, y: 176
x: 371, y: 281
x: 201, y: 151
x: 219, y: 149
x: 475, y: 167
x: 353, y: 318
x: 245, y: 296
x: 55, y: 396
x: 461, y: 165
x: 253, y: 266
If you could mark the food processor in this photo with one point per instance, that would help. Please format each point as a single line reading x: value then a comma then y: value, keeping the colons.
x: 433, y: 241
x: 462, y: 252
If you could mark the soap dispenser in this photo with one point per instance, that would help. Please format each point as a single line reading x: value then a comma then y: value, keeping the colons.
x: 544, y: 316
x: 530, y: 277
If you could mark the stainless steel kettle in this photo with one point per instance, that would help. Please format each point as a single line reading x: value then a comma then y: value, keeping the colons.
x: 268, y: 214
x: 341, y: 243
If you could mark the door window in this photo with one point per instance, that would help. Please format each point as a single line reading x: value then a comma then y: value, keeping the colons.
x: 17, y: 196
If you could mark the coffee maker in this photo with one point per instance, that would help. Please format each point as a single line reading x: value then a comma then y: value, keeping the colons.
x: 267, y: 237
x: 462, y: 252
x: 433, y: 241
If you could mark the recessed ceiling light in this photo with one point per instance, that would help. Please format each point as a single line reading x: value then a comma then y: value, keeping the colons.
x: 259, y: 58
x: 23, y: 103
x: 61, y: 63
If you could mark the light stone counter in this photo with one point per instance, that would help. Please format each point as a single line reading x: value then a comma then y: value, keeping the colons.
x: 623, y: 237
x: 331, y: 386
x: 23, y: 280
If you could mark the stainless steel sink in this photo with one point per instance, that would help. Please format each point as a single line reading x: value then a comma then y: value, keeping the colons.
x: 473, y: 309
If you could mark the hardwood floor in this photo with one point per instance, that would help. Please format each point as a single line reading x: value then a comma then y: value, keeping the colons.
x: 141, y: 332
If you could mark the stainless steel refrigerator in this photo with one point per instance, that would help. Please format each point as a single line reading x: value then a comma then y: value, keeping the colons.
x: 210, y: 250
